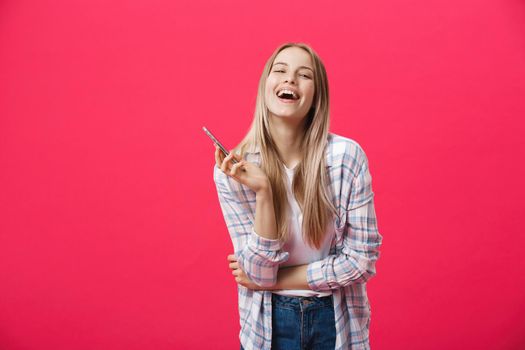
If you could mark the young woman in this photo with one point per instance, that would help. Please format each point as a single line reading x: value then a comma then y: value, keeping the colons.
x: 298, y: 205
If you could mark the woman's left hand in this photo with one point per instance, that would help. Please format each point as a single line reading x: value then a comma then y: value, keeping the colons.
x: 240, y: 276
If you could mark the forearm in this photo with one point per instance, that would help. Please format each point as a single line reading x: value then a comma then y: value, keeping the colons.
x: 265, y: 224
x: 261, y: 256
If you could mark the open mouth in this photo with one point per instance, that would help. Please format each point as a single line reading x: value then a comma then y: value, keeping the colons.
x: 287, y: 96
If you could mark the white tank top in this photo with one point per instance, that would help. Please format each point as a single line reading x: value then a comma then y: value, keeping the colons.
x: 300, y: 252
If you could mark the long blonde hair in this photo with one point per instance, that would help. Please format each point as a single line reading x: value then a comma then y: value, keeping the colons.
x: 310, y: 180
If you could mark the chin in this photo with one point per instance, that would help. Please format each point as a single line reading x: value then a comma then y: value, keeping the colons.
x: 287, y: 115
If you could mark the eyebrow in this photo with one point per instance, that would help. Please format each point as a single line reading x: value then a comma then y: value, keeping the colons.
x: 286, y: 64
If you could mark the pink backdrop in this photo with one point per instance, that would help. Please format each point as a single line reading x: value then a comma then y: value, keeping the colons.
x: 111, y: 232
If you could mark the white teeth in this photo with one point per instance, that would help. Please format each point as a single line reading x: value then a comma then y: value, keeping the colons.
x: 285, y: 91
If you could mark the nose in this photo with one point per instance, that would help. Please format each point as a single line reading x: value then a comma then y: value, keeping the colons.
x: 289, y: 78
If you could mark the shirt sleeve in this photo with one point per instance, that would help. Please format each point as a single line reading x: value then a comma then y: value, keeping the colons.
x: 258, y: 257
x: 355, y: 262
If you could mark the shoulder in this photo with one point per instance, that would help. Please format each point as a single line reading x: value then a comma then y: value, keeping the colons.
x: 346, y: 152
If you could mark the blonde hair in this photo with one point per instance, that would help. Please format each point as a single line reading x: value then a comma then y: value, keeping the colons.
x: 310, y: 181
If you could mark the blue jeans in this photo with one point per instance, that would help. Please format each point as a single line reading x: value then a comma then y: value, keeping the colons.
x: 300, y: 323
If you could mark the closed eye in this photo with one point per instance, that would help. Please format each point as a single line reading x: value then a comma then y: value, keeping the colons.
x: 303, y: 75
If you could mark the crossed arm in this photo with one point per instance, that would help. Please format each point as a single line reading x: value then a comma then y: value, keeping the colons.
x: 292, y: 277
x: 353, y: 263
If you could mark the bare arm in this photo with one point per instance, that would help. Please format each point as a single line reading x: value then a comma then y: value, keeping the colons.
x: 293, y: 277
x: 265, y: 224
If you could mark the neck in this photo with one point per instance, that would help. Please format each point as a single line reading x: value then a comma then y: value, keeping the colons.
x: 287, y: 135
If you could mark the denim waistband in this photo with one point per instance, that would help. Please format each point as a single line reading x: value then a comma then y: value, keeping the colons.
x: 286, y: 300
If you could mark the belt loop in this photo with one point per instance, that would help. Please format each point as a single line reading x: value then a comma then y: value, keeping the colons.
x: 306, y: 301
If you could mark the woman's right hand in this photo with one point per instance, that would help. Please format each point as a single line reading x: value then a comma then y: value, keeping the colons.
x: 246, y: 173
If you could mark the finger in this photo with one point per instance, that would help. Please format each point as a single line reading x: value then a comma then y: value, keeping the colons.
x: 235, y: 156
x: 235, y: 167
x: 225, y: 162
x: 218, y: 159
x: 235, y: 272
x: 232, y: 257
x: 234, y: 265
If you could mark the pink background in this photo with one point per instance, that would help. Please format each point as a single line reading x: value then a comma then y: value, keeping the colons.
x: 111, y: 235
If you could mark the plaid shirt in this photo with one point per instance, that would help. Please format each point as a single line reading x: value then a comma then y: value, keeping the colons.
x: 345, y: 271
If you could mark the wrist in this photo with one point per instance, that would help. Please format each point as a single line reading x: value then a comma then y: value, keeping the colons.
x: 264, y: 191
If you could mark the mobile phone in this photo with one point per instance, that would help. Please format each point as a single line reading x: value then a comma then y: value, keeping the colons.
x: 215, y: 141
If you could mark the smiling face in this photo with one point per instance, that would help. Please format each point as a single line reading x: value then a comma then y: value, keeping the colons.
x: 289, y: 89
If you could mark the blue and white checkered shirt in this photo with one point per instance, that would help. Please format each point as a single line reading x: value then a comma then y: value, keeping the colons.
x: 345, y: 271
